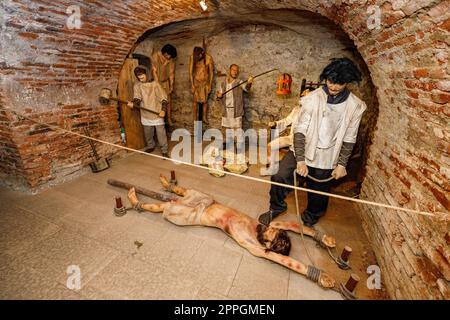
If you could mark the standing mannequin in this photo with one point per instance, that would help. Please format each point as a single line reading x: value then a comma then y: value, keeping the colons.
x: 163, y: 71
x: 152, y: 100
x: 233, y: 102
x: 201, y: 68
x: 324, y: 136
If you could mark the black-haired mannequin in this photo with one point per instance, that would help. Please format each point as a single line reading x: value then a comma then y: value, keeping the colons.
x: 324, y: 136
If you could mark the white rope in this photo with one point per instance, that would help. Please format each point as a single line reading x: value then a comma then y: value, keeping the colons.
x: 376, y: 204
x: 300, y: 221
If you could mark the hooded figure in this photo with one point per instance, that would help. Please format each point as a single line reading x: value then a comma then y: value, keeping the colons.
x: 152, y: 101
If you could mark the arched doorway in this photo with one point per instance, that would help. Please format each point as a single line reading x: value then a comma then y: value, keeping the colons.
x: 297, y: 42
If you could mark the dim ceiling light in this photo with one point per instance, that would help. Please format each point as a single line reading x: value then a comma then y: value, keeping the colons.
x: 203, y: 5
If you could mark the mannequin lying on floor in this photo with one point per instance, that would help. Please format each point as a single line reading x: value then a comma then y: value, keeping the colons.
x: 270, y: 242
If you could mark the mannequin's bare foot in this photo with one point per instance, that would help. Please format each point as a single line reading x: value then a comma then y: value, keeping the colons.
x: 329, y: 241
x: 326, y: 281
x: 164, y: 182
x: 132, y: 196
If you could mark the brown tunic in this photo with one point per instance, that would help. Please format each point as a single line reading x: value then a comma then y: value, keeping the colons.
x: 201, y: 78
x: 165, y: 70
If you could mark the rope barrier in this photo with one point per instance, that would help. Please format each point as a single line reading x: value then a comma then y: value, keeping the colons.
x: 372, y: 203
x: 297, y: 209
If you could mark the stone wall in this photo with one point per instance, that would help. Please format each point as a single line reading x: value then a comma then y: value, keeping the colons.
x: 298, y: 43
x: 258, y: 48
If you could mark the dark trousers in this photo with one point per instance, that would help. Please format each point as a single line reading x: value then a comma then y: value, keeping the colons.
x: 199, y: 111
x: 317, y: 204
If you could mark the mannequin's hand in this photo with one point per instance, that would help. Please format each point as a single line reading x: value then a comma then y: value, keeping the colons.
x: 302, y: 169
x: 162, y: 114
x: 250, y: 80
x: 339, y: 172
x: 136, y: 103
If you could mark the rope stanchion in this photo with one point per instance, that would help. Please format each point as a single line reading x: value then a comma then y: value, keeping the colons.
x: 360, y: 201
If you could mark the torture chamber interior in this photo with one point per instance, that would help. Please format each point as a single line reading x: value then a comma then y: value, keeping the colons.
x: 57, y: 213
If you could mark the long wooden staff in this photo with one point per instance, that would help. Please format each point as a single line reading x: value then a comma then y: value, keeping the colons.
x: 145, y: 192
x: 259, y: 75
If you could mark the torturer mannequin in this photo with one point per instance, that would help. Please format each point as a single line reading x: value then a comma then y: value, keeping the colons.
x: 324, y: 137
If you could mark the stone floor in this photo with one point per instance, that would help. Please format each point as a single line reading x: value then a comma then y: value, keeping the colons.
x: 142, y: 256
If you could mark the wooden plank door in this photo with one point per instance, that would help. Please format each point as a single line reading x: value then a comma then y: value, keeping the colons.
x: 131, y: 118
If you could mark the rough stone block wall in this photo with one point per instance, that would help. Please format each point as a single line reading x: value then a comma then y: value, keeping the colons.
x: 44, y: 66
x: 256, y: 48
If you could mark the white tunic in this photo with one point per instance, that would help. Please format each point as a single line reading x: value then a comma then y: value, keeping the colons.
x: 230, y: 121
x: 331, y: 121
x: 151, y: 95
x: 156, y: 122
x: 312, y: 113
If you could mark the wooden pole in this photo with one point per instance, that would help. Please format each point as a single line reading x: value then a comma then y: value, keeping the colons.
x: 143, y: 191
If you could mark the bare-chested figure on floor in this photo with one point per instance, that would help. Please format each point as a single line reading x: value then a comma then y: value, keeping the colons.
x: 270, y: 242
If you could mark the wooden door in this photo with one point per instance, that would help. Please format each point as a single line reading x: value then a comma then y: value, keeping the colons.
x: 131, y: 118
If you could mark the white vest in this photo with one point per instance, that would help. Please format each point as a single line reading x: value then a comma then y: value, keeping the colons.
x: 312, y: 110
